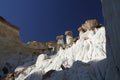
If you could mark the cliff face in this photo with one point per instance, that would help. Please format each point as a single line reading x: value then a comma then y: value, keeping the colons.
x: 111, y: 13
x: 13, y: 51
x: 11, y: 47
x: 9, y: 38
x: 85, y: 60
x: 11, y: 44
x: 82, y: 60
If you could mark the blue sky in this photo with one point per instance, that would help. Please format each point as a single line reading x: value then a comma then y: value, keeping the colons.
x: 43, y: 20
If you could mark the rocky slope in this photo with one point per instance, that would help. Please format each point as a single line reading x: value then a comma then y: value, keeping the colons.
x: 84, y: 60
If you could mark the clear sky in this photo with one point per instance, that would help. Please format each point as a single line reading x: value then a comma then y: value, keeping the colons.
x: 43, y: 20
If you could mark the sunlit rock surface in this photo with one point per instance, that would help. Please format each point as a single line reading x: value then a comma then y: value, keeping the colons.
x: 84, y: 60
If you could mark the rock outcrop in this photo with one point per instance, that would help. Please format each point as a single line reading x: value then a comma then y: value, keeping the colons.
x: 84, y: 60
x: 111, y: 13
x: 9, y: 40
x: 9, y: 37
x: 60, y: 42
x: 89, y: 26
x: 12, y: 49
x: 69, y: 38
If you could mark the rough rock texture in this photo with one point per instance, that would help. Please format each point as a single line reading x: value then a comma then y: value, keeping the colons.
x: 69, y: 37
x: 9, y: 41
x: 90, y: 26
x: 60, y: 42
x: 12, y: 49
x: 13, y: 52
x: 51, y: 44
x: 111, y: 13
x: 84, y: 60
x: 9, y: 37
x: 37, y: 45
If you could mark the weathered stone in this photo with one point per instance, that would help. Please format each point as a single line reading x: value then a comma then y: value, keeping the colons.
x: 75, y: 39
x: 60, y: 42
x: 10, y: 76
x: 111, y: 13
x: 91, y: 24
x: 70, y: 33
x: 37, y: 45
x: 51, y: 44
x: 69, y: 37
x: 59, y: 37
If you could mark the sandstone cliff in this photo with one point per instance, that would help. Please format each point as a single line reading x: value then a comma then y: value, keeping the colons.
x: 9, y: 38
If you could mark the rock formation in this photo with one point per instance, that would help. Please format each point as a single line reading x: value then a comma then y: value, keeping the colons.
x: 51, y: 44
x: 69, y: 38
x: 9, y: 41
x: 9, y: 37
x: 75, y: 39
x: 90, y: 26
x: 84, y: 60
x: 60, y: 42
x: 12, y: 49
x: 111, y: 13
